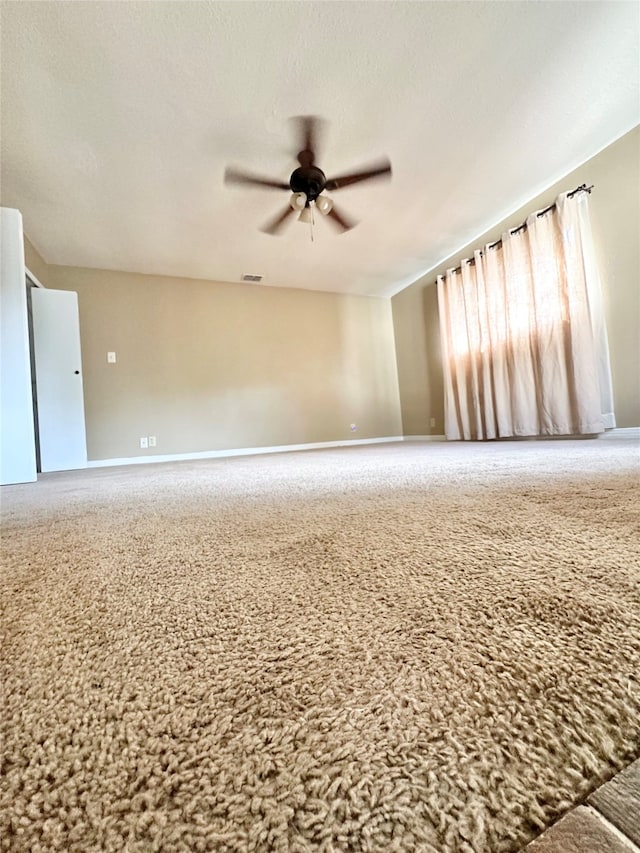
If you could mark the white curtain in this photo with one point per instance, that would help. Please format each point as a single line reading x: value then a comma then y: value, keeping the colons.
x: 524, y: 342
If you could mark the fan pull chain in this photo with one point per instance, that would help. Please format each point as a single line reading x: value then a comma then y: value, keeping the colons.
x: 313, y: 221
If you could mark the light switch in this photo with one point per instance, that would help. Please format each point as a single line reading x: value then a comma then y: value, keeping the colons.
x: 111, y: 357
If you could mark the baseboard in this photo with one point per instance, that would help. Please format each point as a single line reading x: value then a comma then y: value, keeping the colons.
x: 622, y: 432
x: 239, y: 451
x: 618, y: 432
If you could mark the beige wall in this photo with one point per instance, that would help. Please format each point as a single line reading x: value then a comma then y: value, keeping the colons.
x: 615, y: 215
x: 206, y: 366
x: 34, y: 262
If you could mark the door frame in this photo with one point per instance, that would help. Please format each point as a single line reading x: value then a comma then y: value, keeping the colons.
x: 30, y: 278
x: 35, y: 281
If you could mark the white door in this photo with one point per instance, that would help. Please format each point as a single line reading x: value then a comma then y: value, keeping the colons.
x: 56, y: 344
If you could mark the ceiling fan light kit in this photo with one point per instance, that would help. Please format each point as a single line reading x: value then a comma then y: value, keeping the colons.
x: 308, y: 182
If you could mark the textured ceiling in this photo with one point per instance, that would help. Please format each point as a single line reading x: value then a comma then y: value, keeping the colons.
x: 118, y: 120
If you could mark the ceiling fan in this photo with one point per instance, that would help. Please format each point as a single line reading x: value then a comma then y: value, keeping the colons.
x: 308, y: 182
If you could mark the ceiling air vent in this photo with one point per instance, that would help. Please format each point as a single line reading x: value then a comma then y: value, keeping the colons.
x: 248, y: 276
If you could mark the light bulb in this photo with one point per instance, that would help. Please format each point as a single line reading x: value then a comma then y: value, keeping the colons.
x: 324, y: 204
x: 298, y: 201
x: 305, y: 215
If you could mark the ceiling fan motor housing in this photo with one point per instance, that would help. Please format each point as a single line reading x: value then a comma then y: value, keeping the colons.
x: 308, y: 180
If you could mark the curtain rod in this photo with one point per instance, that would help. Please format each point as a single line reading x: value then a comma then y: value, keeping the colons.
x: 583, y: 188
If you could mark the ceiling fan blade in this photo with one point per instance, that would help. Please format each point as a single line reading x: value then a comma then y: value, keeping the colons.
x: 375, y: 171
x: 308, y: 132
x: 340, y: 220
x: 275, y: 224
x: 235, y: 176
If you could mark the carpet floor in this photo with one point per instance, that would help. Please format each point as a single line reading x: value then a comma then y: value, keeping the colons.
x: 404, y: 647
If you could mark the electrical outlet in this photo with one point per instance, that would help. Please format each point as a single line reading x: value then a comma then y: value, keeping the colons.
x: 432, y: 422
x: 111, y: 357
x: 144, y: 442
x: 152, y: 441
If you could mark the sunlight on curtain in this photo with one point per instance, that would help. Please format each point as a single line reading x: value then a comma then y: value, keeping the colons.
x: 523, y: 335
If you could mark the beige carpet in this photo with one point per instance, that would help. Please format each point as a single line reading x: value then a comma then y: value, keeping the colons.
x: 410, y: 647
